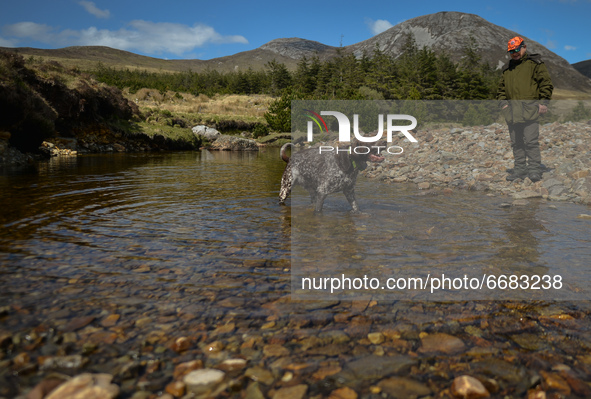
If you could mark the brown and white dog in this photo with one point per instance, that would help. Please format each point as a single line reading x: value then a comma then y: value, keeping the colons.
x: 325, y: 173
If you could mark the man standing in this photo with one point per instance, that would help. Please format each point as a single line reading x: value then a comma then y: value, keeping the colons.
x: 524, y: 92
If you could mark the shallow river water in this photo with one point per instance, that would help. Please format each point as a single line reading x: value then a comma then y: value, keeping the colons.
x: 134, y: 264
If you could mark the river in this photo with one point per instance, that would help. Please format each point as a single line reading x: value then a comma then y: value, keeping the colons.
x: 126, y: 261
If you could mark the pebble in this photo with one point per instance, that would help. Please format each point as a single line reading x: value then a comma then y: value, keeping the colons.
x: 87, y: 386
x: 375, y: 338
x: 343, y: 393
x: 204, y: 381
x: 253, y: 391
x: 275, y: 351
x: 110, y: 320
x: 404, y: 387
x: 232, y: 366
x: 181, y: 344
x: 554, y: 382
x: 467, y: 387
x: 441, y: 343
x: 259, y: 374
x: 372, y: 367
x: 185, y: 368
x: 176, y: 388
x: 293, y: 392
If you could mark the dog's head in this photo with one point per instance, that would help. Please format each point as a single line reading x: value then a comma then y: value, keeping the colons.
x: 358, y: 154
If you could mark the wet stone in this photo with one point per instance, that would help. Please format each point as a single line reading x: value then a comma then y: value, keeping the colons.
x: 78, y: 323
x: 204, y: 381
x: 110, y: 320
x: 403, y: 387
x: 441, y: 343
x: 530, y: 342
x: 343, y: 393
x: 253, y: 391
x: 554, y: 382
x: 48, y: 384
x: 294, y: 392
x: 467, y: 387
x: 184, y: 368
x: 259, y: 374
x: 86, y: 386
x: 375, y: 338
x: 232, y: 366
x: 372, y: 367
x: 275, y: 351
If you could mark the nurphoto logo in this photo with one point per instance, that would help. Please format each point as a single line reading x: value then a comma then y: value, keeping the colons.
x: 345, y: 131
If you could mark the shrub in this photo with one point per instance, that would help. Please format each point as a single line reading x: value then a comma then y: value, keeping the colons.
x: 279, y: 115
x: 260, y: 130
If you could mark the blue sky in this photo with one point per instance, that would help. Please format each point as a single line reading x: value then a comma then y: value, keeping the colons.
x: 175, y: 29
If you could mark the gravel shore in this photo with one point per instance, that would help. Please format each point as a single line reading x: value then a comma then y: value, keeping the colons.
x: 478, y: 158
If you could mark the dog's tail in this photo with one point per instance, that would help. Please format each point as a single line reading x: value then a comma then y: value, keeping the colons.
x: 283, y: 154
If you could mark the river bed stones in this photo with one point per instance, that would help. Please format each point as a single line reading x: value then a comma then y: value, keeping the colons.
x: 472, y: 344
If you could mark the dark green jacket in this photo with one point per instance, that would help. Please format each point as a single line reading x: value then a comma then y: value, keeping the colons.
x: 528, y: 81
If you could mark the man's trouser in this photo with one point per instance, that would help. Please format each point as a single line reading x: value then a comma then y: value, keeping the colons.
x: 526, y: 148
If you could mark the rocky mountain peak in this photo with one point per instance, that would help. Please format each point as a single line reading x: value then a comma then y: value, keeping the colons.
x: 297, y: 48
x: 450, y: 32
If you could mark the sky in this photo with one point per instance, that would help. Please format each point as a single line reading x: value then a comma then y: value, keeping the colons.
x: 188, y: 29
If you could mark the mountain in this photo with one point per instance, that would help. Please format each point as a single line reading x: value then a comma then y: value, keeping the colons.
x: 451, y: 32
x: 584, y: 67
x: 88, y: 57
x: 444, y: 32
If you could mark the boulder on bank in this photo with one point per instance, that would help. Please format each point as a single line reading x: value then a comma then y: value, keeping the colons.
x: 224, y: 142
x: 208, y: 133
x: 233, y: 143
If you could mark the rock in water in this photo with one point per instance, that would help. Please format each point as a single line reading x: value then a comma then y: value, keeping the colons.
x: 86, y: 386
x: 467, y: 387
x: 205, y: 381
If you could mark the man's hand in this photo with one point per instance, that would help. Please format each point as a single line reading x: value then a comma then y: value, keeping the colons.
x: 543, y: 109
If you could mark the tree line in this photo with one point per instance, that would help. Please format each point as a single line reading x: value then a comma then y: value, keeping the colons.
x: 417, y: 74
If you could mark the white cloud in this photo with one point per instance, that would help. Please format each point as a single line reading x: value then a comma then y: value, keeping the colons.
x: 91, y: 8
x: 27, y: 30
x: 7, y: 43
x: 569, y: 48
x: 379, y: 26
x: 551, y: 44
x: 143, y: 36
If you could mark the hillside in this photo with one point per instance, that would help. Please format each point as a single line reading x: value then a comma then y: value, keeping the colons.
x: 87, y: 57
x: 584, y: 67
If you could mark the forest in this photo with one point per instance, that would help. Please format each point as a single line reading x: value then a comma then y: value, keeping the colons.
x: 417, y: 74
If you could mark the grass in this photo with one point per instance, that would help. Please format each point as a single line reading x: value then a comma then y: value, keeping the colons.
x: 201, y: 107
x: 561, y: 94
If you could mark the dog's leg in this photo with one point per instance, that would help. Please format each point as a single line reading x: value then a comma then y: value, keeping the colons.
x: 319, y: 202
x: 313, y: 197
x: 350, y: 195
x: 286, y: 182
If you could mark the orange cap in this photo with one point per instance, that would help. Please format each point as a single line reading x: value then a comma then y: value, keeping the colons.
x: 514, y: 43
